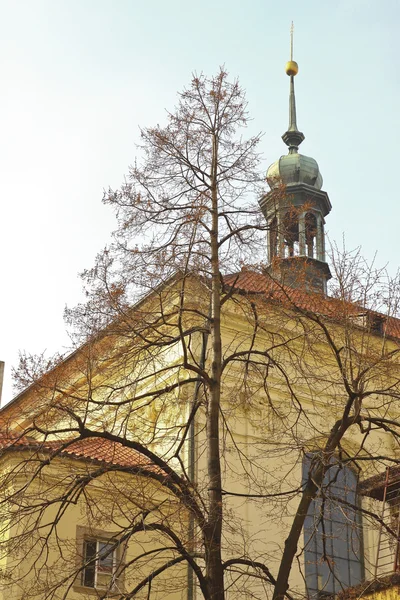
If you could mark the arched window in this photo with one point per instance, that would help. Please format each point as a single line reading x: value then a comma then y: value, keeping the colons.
x: 291, y: 232
x: 333, y: 550
x: 311, y: 232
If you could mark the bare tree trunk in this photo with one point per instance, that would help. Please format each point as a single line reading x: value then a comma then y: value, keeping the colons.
x: 213, y: 536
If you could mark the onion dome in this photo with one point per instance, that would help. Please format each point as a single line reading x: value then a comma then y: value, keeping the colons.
x: 294, y: 168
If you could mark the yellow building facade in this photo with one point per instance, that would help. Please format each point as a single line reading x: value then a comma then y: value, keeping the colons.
x: 278, y: 411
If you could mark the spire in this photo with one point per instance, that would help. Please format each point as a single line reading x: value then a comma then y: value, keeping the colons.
x: 292, y: 137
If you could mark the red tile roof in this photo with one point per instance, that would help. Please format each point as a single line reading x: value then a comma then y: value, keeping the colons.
x: 99, y: 450
x: 251, y: 282
x: 102, y: 450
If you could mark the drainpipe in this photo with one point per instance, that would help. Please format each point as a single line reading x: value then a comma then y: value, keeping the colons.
x: 192, y: 458
x: 1, y: 377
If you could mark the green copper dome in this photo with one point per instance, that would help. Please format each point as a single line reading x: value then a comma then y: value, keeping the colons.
x: 294, y: 168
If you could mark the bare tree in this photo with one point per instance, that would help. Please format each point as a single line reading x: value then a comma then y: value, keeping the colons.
x: 186, y: 350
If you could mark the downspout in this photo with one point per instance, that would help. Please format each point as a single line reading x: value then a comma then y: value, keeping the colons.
x: 192, y: 458
x: 1, y: 377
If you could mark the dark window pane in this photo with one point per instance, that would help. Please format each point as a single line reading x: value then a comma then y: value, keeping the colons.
x: 342, y: 572
x: 323, y: 539
x: 325, y: 577
x: 351, y: 498
x: 340, y: 549
x: 311, y: 576
x: 89, y: 571
x: 309, y: 524
x: 335, y: 478
x: 355, y: 546
x: 355, y: 572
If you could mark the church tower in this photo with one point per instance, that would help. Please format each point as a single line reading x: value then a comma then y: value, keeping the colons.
x: 295, y: 210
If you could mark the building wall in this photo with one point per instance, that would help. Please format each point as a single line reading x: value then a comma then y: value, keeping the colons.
x: 389, y: 594
x: 275, y: 413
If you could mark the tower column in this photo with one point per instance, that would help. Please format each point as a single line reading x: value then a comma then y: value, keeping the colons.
x: 281, y: 240
x: 320, y: 239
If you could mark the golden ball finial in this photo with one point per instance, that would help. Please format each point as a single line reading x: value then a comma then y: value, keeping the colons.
x: 292, y: 68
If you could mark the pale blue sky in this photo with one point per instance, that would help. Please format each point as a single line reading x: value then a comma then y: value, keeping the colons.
x: 79, y: 76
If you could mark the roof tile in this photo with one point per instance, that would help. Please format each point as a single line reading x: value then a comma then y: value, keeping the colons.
x: 95, y: 449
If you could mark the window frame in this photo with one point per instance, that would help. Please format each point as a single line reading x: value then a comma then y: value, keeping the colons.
x: 96, y: 566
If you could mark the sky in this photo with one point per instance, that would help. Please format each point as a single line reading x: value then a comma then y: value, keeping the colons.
x: 79, y: 77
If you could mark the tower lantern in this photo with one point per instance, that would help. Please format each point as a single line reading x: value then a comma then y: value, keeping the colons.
x: 295, y: 209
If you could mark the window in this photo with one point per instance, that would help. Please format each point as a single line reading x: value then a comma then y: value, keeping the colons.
x: 332, y: 534
x: 100, y: 564
x: 291, y: 232
x: 311, y: 233
x: 375, y: 322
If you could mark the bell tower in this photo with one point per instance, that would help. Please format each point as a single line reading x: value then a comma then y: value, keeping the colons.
x: 295, y: 209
